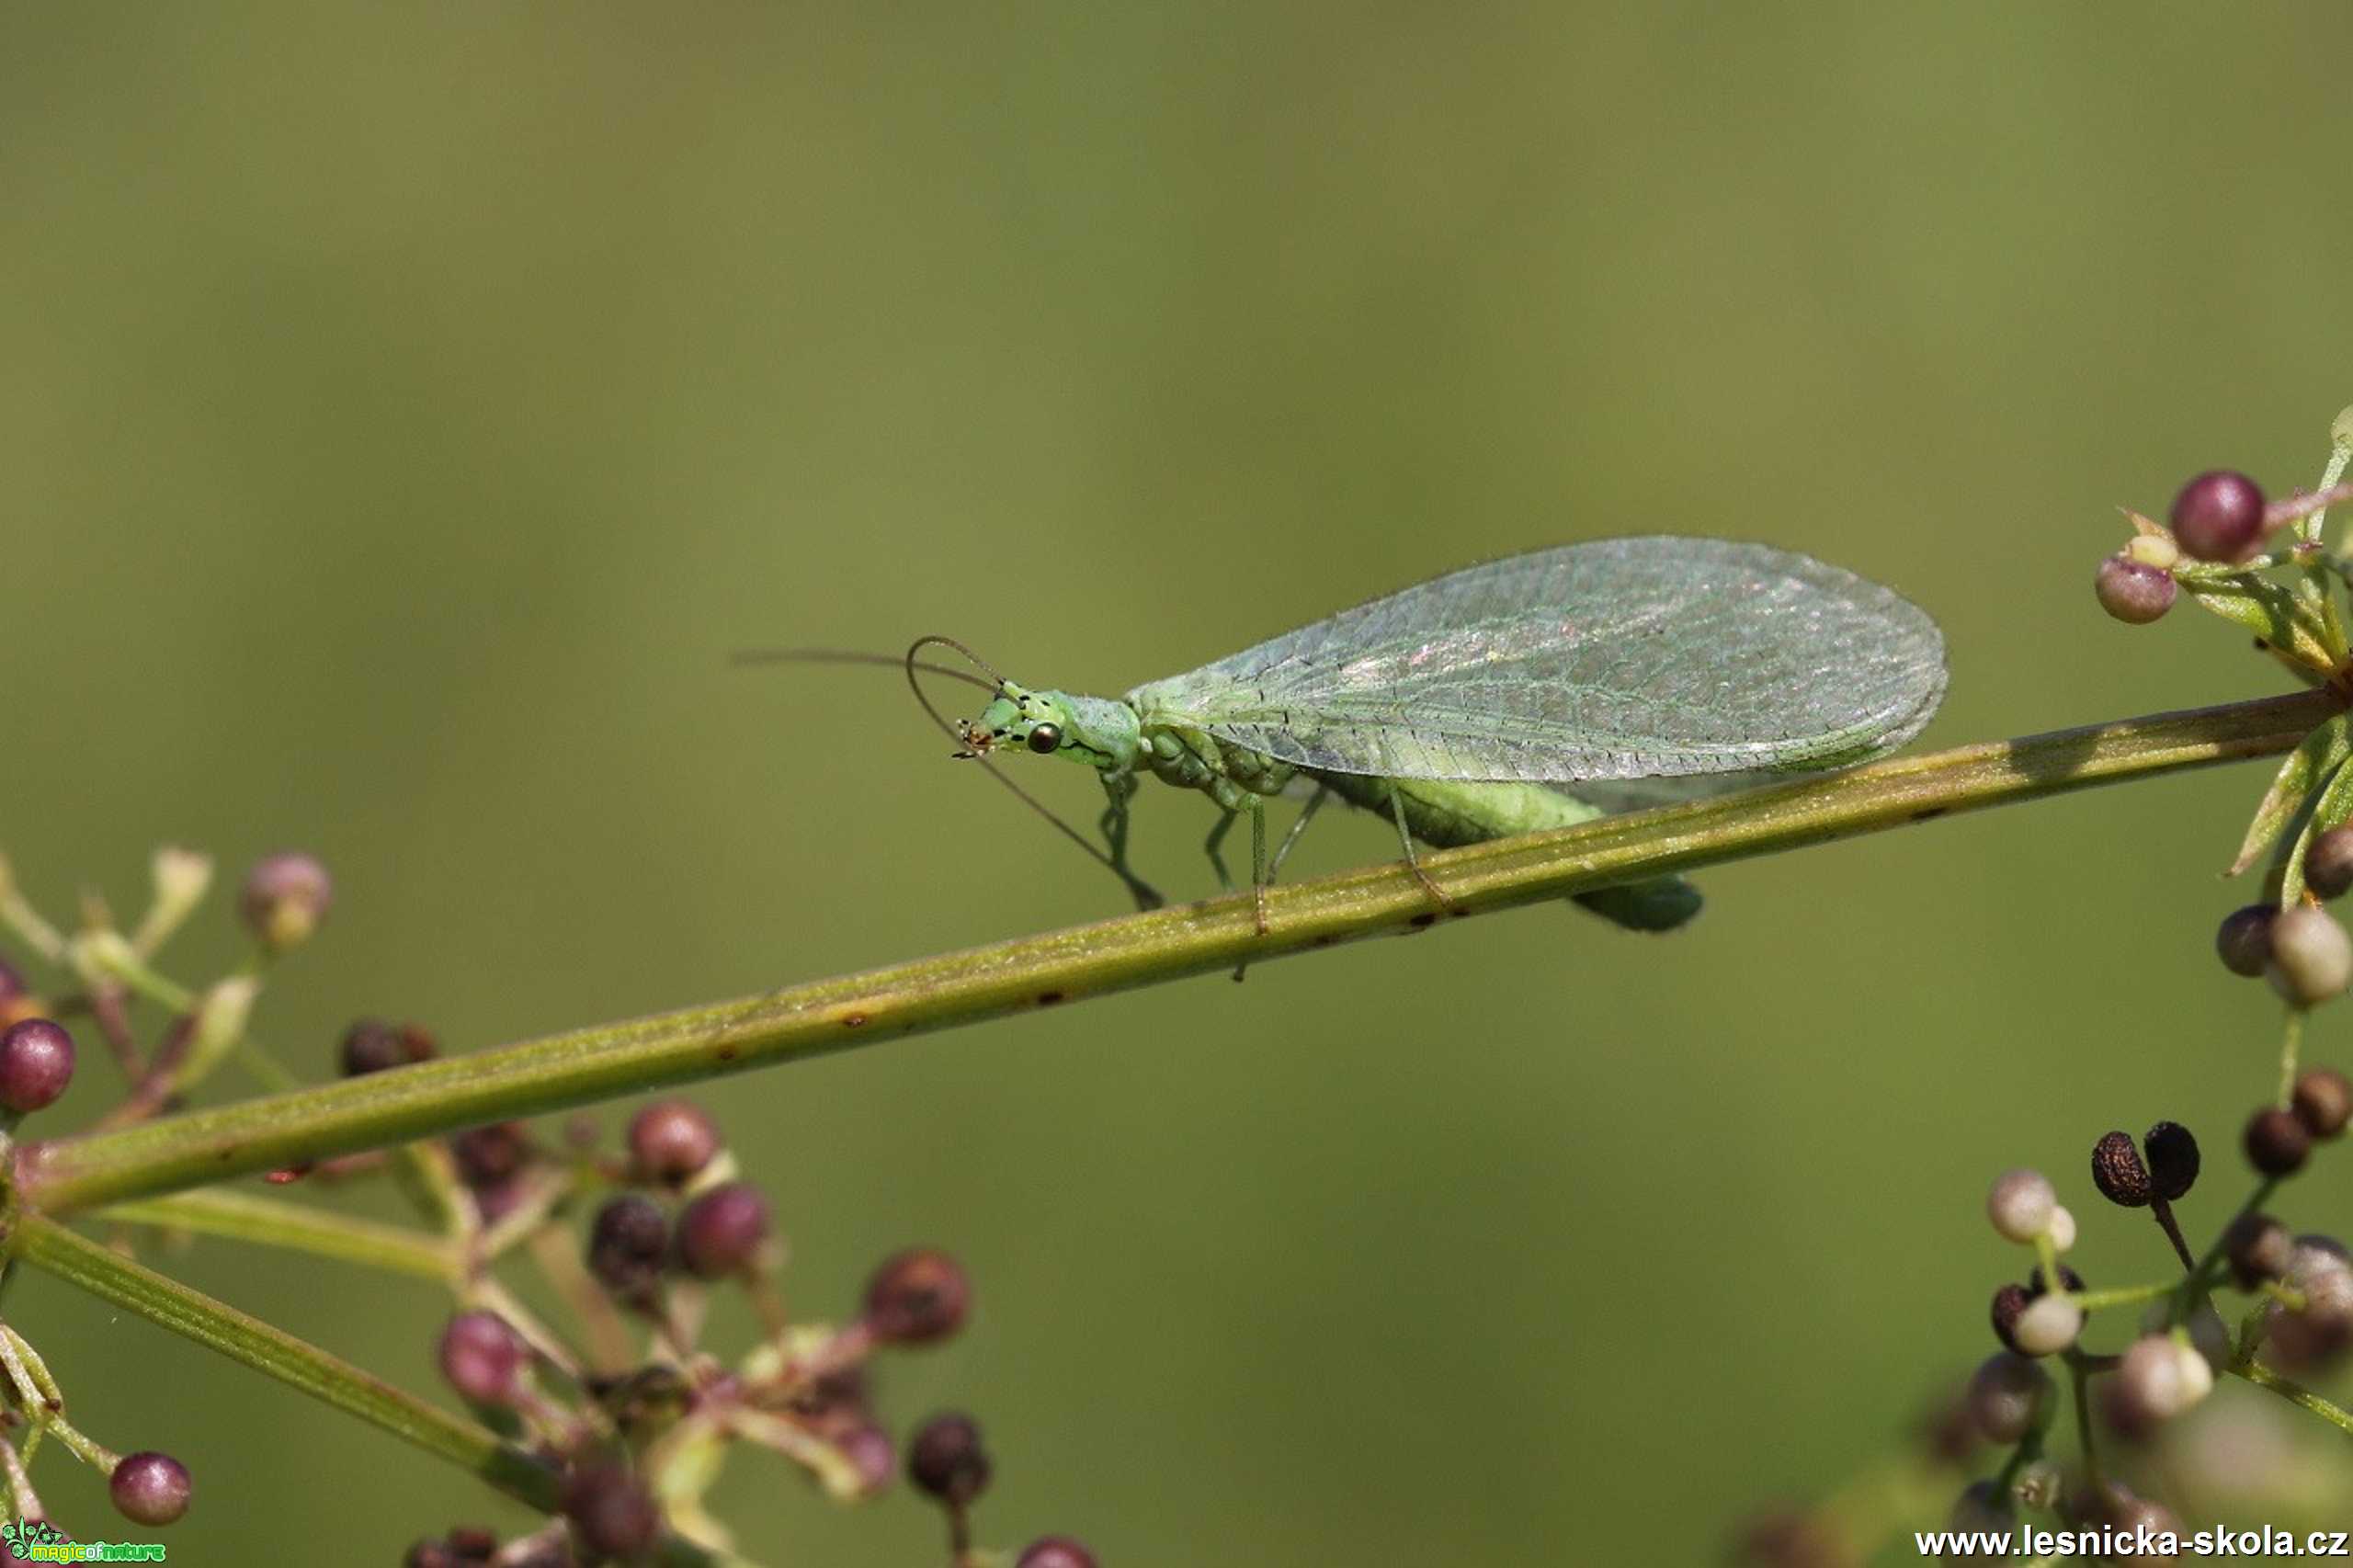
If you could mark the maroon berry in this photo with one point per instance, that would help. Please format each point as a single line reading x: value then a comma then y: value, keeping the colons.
x: 628, y: 1241
x: 2131, y: 592
x: 1054, y: 1552
x: 285, y: 898
x: 2260, y: 1248
x: 2172, y: 1160
x: 2009, y: 1302
x: 2277, y: 1143
x: 481, y: 1357
x: 610, y: 1510
x: 489, y: 1155
x: 36, y: 1064
x: 672, y: 1139
x: 2328, y: 862
x: 2117, y: 1172
x: 2323, y: 1102
x: 722, y: 1231
x: 947, y: 1461
x: 2244, y: 939
x: 916, y: 1297
x: 149, y: 1488
x: 2219, y: 517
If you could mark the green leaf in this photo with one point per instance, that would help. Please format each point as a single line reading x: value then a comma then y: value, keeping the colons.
x: 2267, y: 609
x: 2306, y: 770
x: 2335, y: 805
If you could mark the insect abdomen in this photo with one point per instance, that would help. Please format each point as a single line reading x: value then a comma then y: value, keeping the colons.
x: 1447, y: 815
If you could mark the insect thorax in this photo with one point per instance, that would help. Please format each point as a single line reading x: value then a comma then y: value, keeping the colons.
x: 1192, y: 759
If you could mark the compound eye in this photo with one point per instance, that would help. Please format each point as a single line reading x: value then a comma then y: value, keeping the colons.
x: 1044, y: 738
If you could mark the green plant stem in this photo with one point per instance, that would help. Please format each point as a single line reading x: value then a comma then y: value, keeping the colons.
x: 2294, y: 1392
x: 824, y: 1017
x: 268, y: 1222
x: 45, y: 1244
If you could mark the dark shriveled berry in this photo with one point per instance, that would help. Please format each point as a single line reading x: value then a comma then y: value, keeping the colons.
x: 946, y: 1460
x: 2172, y: 1160
x: 2133, y: 593
x: 481, y: 1357
x: 1054, y: 1552
x: 2260, y: 1248
x: 2322, y: 1102
x: 610, y: 1509
x: 2219, y: 517
x: 2117, y: 1172
x: 628, y: 1242
x: 722, y: 1231
x: 36, y: 1064
x: 916, y: 1297
x: 672, y: 1139
x: 2277, y: 1143
x: 372, y: 1045
x: 2009, y: 1303
x: 150, y: 1488
x: 2243, y: 941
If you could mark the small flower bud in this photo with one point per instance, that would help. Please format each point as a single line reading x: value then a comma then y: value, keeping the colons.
x: 2008, y: 1394
x: 2038, y: 1486
x: 2049, y: 1325
x: 2020, y: 1204
x: 180, y: 877
x: 2172, y: 1160
x: 2160, y: 1377
x: 286, y: 896
x: 483, y: 1357
x: 2118, y: 1173
x: 2277, y: 1143
x: 916, y: 1297
x: 871, y: 1453
x: 2312, y: 958
x: 2132, y: 593
x: 2259, y: 1249
x: 671, y: 1140
x: 946, y: 1460
x: 628, y: 1242
x: 2244, y: 939
x: 36, y: 1064
x: 2158, y: 550
x: 2322, y: 1102
x: 2219, y: 517
x: 1054, y: 1552
x: 2062, y: 1229
x: 720, y: 1233
x: 611, y: 1510
x: 150, y: 1488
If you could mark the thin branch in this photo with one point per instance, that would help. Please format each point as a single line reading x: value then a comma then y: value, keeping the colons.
x: 827, y: 1016
x: 113, y: 1277
x: 269, y: 1221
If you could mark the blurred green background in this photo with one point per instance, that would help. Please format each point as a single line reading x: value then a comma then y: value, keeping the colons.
x: 410, y: 408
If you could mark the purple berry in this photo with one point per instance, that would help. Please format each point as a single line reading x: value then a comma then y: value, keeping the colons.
x: 372, y: 1045
x: 628, y: 1241
x: 150, y: 1488
x: 36, y: 1064
x: 1055, y: 1552
x: 2243, y: 941
x: 611, y: 1510
x: 2219, y: 517
x: 916, y: 1297
x: 2328, y: 863
x: 947, y: 1461
x: 481, y: 1357
x: 2277, y: 1143
x: 489, y: 1155
x: 722, y: 1231
x: 285, y: 898
x: 2133, y: 593
x: 672, y: 1139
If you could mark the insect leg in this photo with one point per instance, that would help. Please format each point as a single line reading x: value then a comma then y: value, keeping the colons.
x: 1121, y: 788
x: 1217, y: 858
x: 1306, y: 814
x: 1405, y: 837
